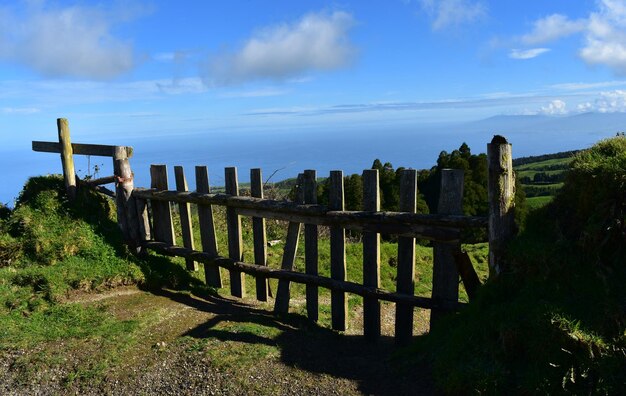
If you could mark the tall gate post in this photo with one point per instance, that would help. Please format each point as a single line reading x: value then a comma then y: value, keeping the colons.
x: 445, y: 274
x: 67, y: 158
x: 127, y: 216
x: 501, y: 192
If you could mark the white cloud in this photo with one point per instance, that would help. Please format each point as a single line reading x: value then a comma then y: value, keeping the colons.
x: 584, y: 86
x: 552, y: 28
x: 20, y: 110
x: 447, y: 13
x: 584, y: 107
x: 603, y: 32
x: 555, y: 107
x: 318, y: 41
x: 527, y: 54
x: 71, y: 41
x: 610, y: 102
x: 605, y: 38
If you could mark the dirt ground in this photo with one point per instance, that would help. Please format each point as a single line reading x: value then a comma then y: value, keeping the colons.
x: 223, y: 346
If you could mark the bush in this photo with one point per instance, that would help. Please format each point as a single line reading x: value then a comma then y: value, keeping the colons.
x: 592, y: 203
x: 556, y: 323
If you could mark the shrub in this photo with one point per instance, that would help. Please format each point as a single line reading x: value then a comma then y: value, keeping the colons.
x: 592, y: 204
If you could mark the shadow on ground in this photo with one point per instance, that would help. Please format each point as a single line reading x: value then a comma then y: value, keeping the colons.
x: 307, y: 346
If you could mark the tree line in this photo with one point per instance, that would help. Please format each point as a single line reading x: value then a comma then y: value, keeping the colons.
x: 475, y: 202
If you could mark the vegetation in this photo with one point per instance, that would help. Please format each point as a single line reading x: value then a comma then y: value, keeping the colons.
x: 556, y: 322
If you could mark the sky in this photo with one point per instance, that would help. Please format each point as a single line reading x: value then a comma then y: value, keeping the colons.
x: 131, y: 70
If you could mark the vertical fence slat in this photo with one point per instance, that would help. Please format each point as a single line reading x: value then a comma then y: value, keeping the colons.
x: 445, y: 274
x: 67, y: 158
x: 161, y: 211
x: 143, y: 220
x: 371, y: 257
x: 212, y: 274
x: 501, y: 192
x: 406, y: 260
x: 184, y: 210
x: 281, y: 305
x: 338, y: 303
x: 260, y: 236
x: 235, y: 242
x: 311, y: 246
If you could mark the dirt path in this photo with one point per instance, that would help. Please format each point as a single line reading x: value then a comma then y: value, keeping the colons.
x: 222, y: 346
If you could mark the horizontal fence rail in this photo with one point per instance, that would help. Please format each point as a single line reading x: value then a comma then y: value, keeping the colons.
x: 299, y: 277
x: 426, y: 226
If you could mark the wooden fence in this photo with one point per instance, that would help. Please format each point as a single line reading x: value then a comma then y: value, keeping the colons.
x: 444, y: 229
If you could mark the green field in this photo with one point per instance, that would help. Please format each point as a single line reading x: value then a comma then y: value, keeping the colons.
x: 539, y: 194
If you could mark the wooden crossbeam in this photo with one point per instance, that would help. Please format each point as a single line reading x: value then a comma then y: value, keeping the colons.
x: 100, y: 150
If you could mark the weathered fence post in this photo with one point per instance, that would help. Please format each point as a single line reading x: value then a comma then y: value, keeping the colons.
x: 184, y: 210
x: 127, y: 216
x: 212, y: 274
x: 371, y: 257
x: 445, y: 274
x: 235, y: 239
x: 259, y: 235
x: 311, y: 254
x: 501, y: 191
x: 338, y: 302
x: 67, y: 159
x: 281, y: 304
x: 405, y: 282
x: 161, y: 211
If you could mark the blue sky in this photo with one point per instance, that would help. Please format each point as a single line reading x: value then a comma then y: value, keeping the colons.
x: 132, y: 69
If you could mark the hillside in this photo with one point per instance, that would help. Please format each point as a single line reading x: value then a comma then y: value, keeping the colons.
x: 542, y: 176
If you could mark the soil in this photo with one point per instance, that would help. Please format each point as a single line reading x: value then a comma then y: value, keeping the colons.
x: 221, y: 346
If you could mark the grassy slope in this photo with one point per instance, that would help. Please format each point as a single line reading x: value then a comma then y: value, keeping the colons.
x: 541, y: 194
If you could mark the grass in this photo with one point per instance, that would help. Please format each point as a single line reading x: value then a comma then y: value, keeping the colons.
x: 53, y: 249
x: 538, y: 202
x: 542, y: 165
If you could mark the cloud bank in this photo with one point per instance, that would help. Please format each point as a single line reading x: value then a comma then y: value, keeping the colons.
x: 71, y: 41
x: 318, y: 41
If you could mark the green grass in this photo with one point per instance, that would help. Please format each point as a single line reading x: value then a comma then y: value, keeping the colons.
x: 538, y: 202
x: 542, y: 165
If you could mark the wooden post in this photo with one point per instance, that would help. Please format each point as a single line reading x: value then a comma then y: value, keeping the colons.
x: 212, y: 273
x: 406, y: 260
x: 339, y: 306
x: 371, y: 257
x: 235, y: 241
x: 127, y: 216
x: 184, y: 210
x: 501, y: 192
x: 143, y: 221
x: 445, y: 273
x: 161, y: 211
x: 259, y: 235
x: 67, y: 159
x: 281, y: 305
x: 311, y: 253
